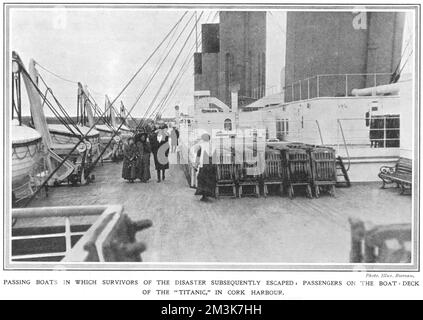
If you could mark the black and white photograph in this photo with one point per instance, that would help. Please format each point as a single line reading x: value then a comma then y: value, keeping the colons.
x: 211, y: 137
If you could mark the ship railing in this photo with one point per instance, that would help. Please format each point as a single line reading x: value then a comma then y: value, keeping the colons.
x: 345, y: 145
x: 333, y: 85
x: 306, y: 131
x: 52, y: 218
x: 259, y: 92
x: 374, y: 132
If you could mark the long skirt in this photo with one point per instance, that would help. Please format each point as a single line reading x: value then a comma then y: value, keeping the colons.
x: 143, y: 167
x: 129, y: 169
x: 161, y: 161
x: 206, y: 181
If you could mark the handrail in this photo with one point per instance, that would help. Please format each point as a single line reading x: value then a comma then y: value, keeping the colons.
x: 291, y: 86
x: 54, y: 212
x: 320, y: 132
x: 345, y: 145
x: 50, y: 212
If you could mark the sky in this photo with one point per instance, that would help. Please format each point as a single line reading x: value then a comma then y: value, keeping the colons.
x: 103, y: 48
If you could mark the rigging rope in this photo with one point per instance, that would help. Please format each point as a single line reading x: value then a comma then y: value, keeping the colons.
x: 133, y: 106
x: 81, y: 139
x: 55, y: 74
x: 95, y: 108
x: 154, y: 73
x: 175, y: 82
x: 161, y: 60
x: 67, y: 116
x: 163, y: 103
x: 173, y: 88
x: 173, y: 65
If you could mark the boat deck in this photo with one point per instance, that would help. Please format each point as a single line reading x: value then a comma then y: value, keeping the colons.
x: 254, y: 230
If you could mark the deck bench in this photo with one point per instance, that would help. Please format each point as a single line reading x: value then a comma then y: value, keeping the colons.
x: 400, y: 174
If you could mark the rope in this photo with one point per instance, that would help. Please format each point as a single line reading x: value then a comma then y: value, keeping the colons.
x: 175, y: 82
x: 154, y: 73
x: 163, y: 103
x: 55, y: 74
x: 148, y: 59
x: 66, y: 115
x: 161, y: 60
x: 172, y: 66
x: 28, y: 151
x: 82, y: 138
x: 133, y: 106
x: 96, y: 111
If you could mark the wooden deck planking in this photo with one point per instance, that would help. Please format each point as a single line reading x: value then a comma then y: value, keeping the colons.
x: 273, y: 229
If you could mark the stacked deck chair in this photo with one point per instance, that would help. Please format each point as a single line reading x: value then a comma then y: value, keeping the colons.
x: 273, y: 173
x: 226, y: 177
x: 250, y: 173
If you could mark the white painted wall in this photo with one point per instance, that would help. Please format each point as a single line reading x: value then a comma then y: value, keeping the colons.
x: 407, y: 115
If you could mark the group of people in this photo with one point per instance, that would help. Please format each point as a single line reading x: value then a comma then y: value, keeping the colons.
x: 136, y: 158
x: 155, y: 140
x: 137, y: 153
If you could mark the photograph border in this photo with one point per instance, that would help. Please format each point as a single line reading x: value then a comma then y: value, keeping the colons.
x: 414, y: 266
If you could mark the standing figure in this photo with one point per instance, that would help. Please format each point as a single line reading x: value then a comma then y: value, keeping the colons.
x: 174, y: 135
x: 130, y: 161
x: 159, y: 141
x: 206, y: 178
x: 143, y: 163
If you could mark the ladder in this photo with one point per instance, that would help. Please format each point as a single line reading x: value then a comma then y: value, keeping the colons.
x: 341, y: 172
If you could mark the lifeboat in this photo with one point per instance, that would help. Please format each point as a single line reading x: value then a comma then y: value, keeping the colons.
x: 27, y: 151
x: 64, y: 140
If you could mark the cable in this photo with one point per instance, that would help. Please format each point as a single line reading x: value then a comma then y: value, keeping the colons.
x: 176, y: 59
x: 185, y: 64
x: 173, y: 65
x: 94, y: 107
x: 83, y: 137
x: 55, y: 74
x: 67, y: 116
x: 154, y: 73
x: 163, y: 103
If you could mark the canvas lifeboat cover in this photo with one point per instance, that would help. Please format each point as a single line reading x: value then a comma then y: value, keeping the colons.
x: 61, y: 129
x: 106, y: 128
x: 24, y: 134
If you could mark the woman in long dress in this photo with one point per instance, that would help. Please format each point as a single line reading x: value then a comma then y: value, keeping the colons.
x: 130, y: 161
x: 206, y: 178
x: 143, y: 163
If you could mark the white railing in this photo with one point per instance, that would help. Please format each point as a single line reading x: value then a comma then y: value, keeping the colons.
x: 332, y: 85
x: 345, y: 145
x: 374, y: 132
x: 43, y: 214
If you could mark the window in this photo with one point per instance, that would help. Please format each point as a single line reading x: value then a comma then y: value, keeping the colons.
x: 227, y: 125
x: 384, y: 131
x: 282, y: 129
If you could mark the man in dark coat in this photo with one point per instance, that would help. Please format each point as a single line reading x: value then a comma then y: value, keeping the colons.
x: 159, y: 142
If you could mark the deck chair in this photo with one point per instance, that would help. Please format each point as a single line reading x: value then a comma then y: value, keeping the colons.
x: 273, y: 174
x: 226, y: 178
x: 249, y: 175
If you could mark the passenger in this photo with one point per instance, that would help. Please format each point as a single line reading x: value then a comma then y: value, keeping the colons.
x: 206, y: 178
x: 143, y: 163
x: 174, y: 135
x: 159, y: 141
x: 129, y: 161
